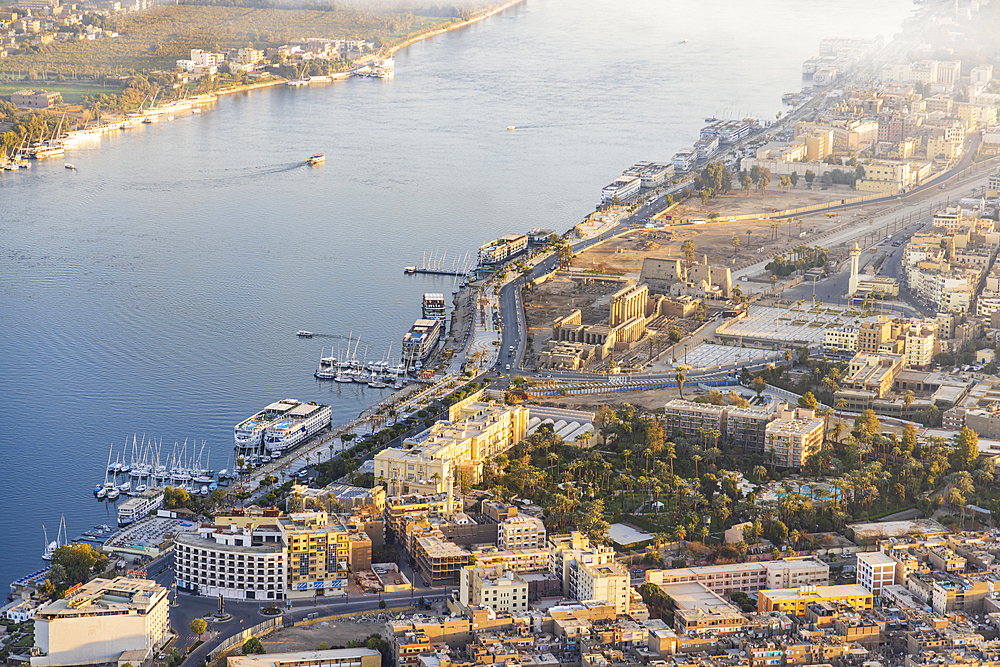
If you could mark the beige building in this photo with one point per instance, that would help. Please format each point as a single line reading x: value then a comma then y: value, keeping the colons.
x: 793, y: 436
x: 495, y: 587
x: 431, y: 461
x: 521, y: 532
x: 100, y: 620
x: 337, y: 657
x: 841, y: 339
x: 875, y: 571
x: 587, y: 570
x: 35, y: 99
x: 747, y: 577
x: 886, y: 177
x: 607, y: 582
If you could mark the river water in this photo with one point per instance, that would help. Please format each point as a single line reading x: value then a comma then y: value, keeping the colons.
x: 157, y: 289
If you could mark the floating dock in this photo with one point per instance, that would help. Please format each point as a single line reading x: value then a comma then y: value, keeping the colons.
x: 434, y: 272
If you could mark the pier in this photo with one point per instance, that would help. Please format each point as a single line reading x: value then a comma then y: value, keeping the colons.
x: 435, y: 272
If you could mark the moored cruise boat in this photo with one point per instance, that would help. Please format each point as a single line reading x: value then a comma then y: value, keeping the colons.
x: 249, y: 434
x: 297, y: 426
x: 141, y: 506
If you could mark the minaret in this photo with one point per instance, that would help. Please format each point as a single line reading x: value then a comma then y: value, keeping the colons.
x: 852, y: 285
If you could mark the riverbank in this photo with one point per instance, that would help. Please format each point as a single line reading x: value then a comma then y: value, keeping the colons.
x: 456, y: 26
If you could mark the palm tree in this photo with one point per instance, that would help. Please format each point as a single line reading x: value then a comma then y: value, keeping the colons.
x: 748, y: 240
x: 681, y: 377
x: 688, y: 249
x: 774, y: 231
x: 908, y: 399
x: 736, y: 246
x: 760, y: 472
x: 679, y: 534
x: 696, y: 458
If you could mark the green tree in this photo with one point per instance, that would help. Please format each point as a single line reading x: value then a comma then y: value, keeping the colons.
x: 810, y: 177
x: 80, y: 562
x: 688, y: 249
x: 794, y: 178
x: 253, y: 646
x: 381, y: 604
x: 966, y: 449
x: 778, y: 533
x: 809, y: 401
x: 199, y: 626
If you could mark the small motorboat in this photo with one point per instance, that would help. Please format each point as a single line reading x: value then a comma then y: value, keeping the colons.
x: 318, y: 158
x: 304, y: 334
x: 70, y: 167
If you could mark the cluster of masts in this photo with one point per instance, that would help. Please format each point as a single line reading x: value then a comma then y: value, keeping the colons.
x: 347, y: 368
x: 140, y: 462
x: 461, y: 264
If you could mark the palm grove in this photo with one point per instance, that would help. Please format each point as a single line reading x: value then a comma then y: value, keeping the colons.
x: 685, y: 488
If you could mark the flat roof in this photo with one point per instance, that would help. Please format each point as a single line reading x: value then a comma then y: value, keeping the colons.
x: 625, y: 535
x: 885, y: 529
x: 693, y: 595
x: 816, y: 592
x: 299, y: 657
x: 875, y: 558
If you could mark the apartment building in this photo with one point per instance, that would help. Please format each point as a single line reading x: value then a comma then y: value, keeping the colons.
x: 516, y: 560
x: 493, y: 586
x: 439, y: 560
x: 588, y: 572
x: 318, y: 553
x: 794, y: 600
x: 520, y: 532
x: 99, y: 621
x: 842, y: 339
x: 875, y: 571
x: 886, y: 177
x: 793, y: 436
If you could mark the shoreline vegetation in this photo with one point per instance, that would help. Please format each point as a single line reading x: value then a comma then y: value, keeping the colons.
x: 101, y: 99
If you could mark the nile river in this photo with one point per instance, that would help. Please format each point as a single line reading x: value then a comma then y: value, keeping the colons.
x: 157, y: 289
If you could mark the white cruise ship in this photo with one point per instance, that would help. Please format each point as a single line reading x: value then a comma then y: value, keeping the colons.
x: 138, y: 508
x: 249, y: 434
x: 298, y: 425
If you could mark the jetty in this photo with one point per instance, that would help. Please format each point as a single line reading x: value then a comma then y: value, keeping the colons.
x: 434, y: 272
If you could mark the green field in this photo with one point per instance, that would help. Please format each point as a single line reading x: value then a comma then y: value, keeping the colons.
x: 71, y: 94
x: 156, y: 39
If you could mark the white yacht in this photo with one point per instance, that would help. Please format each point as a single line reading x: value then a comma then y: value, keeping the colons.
x: 141, y: 506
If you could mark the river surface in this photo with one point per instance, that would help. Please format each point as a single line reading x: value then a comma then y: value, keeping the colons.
x: 157, y: 290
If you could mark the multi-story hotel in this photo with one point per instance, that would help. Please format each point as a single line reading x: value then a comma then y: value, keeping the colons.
x: 794, y: 600
x: 101, y: 620
x: 793, y: 436
x: 430, y: 462
x: 239, y: 557
x: 747, y: 577
x: 494, y: 587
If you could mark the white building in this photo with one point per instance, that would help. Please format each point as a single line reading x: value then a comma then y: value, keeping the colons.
x: 24, y: 610
x: 621, y: 188
x: 588, y: 572
x: 521, y: 532
x: 101, y: 620
x: 875, y: 571
x: 747, y: 577
x: 684, y: 159
x: 243, y: 560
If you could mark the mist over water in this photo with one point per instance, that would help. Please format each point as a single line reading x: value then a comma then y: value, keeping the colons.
x: 157, y: 289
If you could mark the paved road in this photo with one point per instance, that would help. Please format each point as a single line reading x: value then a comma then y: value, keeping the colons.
x: 247, y: 614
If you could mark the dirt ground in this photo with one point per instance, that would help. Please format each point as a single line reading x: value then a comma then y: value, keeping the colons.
x: 308, y: 637
x: 625, y: 254
x: 739, y: 202
x: 649, y: 399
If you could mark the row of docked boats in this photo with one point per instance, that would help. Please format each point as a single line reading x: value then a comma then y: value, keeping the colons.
x: 133, y: 475
x: 348, y: 369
